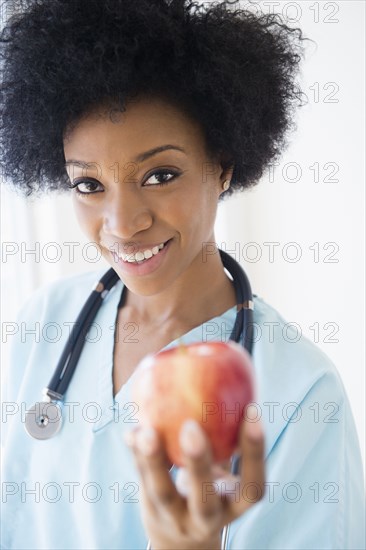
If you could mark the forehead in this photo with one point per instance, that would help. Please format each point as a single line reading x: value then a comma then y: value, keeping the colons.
x: 145, y: 123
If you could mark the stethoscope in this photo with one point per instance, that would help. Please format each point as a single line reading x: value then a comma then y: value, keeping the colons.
x: 44, y: 419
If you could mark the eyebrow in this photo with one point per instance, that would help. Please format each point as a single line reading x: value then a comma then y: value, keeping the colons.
x: 139, y: 158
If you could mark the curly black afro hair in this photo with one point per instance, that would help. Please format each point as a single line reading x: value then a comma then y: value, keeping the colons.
x: 232, y: 70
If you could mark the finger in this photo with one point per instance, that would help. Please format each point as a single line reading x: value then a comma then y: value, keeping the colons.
x: 203, y: 501
x: 252, y: 476
x: 221, y: 476
x: 153, y: 466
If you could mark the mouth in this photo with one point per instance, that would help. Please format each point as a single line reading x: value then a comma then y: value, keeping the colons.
x: 141, y: 256
x: 141, y: 262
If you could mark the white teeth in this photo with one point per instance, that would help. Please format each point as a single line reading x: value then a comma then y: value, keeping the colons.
x: 141, y: 256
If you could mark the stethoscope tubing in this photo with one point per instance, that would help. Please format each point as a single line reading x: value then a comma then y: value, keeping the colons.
x: 243, y: 327
x: 73, y: 348
x: 70, y: 356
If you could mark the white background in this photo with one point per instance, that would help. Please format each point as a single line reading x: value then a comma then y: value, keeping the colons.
x: 292, y: 204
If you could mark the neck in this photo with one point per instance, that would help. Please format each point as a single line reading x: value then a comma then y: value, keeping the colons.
x: 202, y: 292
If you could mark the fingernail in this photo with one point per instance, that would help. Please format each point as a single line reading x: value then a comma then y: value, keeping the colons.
x: 192, y: 439
x: 146, y: 441
x: 182, y: 482
x: 253, y: 426
x: 228, y: 487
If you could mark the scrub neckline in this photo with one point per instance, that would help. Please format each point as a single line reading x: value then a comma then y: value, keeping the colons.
x: 186, y: 338
x: 108, y: 401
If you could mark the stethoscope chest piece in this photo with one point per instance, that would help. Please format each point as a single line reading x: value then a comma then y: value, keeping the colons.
x: 43, y: 420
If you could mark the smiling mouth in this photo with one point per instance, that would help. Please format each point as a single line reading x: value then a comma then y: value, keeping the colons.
x: 142, y: 255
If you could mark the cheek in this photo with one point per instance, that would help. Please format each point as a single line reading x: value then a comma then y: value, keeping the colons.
x: 197, y: 212
x: 85, y: 216
x: 207, y: 201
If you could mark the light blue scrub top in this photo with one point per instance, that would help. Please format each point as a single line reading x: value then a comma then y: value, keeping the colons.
x: 80, y: 489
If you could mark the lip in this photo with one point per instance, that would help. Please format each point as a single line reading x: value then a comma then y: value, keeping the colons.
x: 144, y: 268
x: 130, y: 248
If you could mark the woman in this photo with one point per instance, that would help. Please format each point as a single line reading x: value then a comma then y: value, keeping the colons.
x: 151, y: 111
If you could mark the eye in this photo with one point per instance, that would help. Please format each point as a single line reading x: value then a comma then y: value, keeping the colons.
x: 86, y: 186
x: 161, y: 177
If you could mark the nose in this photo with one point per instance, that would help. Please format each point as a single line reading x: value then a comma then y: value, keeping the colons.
x: 126, y: 214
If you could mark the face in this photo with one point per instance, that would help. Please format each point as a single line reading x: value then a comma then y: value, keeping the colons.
x: 145, y: 190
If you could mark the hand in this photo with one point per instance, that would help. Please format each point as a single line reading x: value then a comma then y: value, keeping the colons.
x: 194, y: 521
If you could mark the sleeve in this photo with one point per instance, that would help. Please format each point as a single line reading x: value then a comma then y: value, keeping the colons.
x: 314, y: 496
x: 19, y: 337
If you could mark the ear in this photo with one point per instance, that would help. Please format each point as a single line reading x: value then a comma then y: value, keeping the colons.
x: 227, y: 166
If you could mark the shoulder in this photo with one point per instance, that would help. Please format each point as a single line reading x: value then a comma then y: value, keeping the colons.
x: 43, y: 325
x: 66, y: 294
x: 287, y: 364
x: 285, y: 347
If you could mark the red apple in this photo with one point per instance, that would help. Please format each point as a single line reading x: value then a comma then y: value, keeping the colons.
x: 209, y: 382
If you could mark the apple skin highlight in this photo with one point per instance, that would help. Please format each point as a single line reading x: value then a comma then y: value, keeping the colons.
x: 211, y: 383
